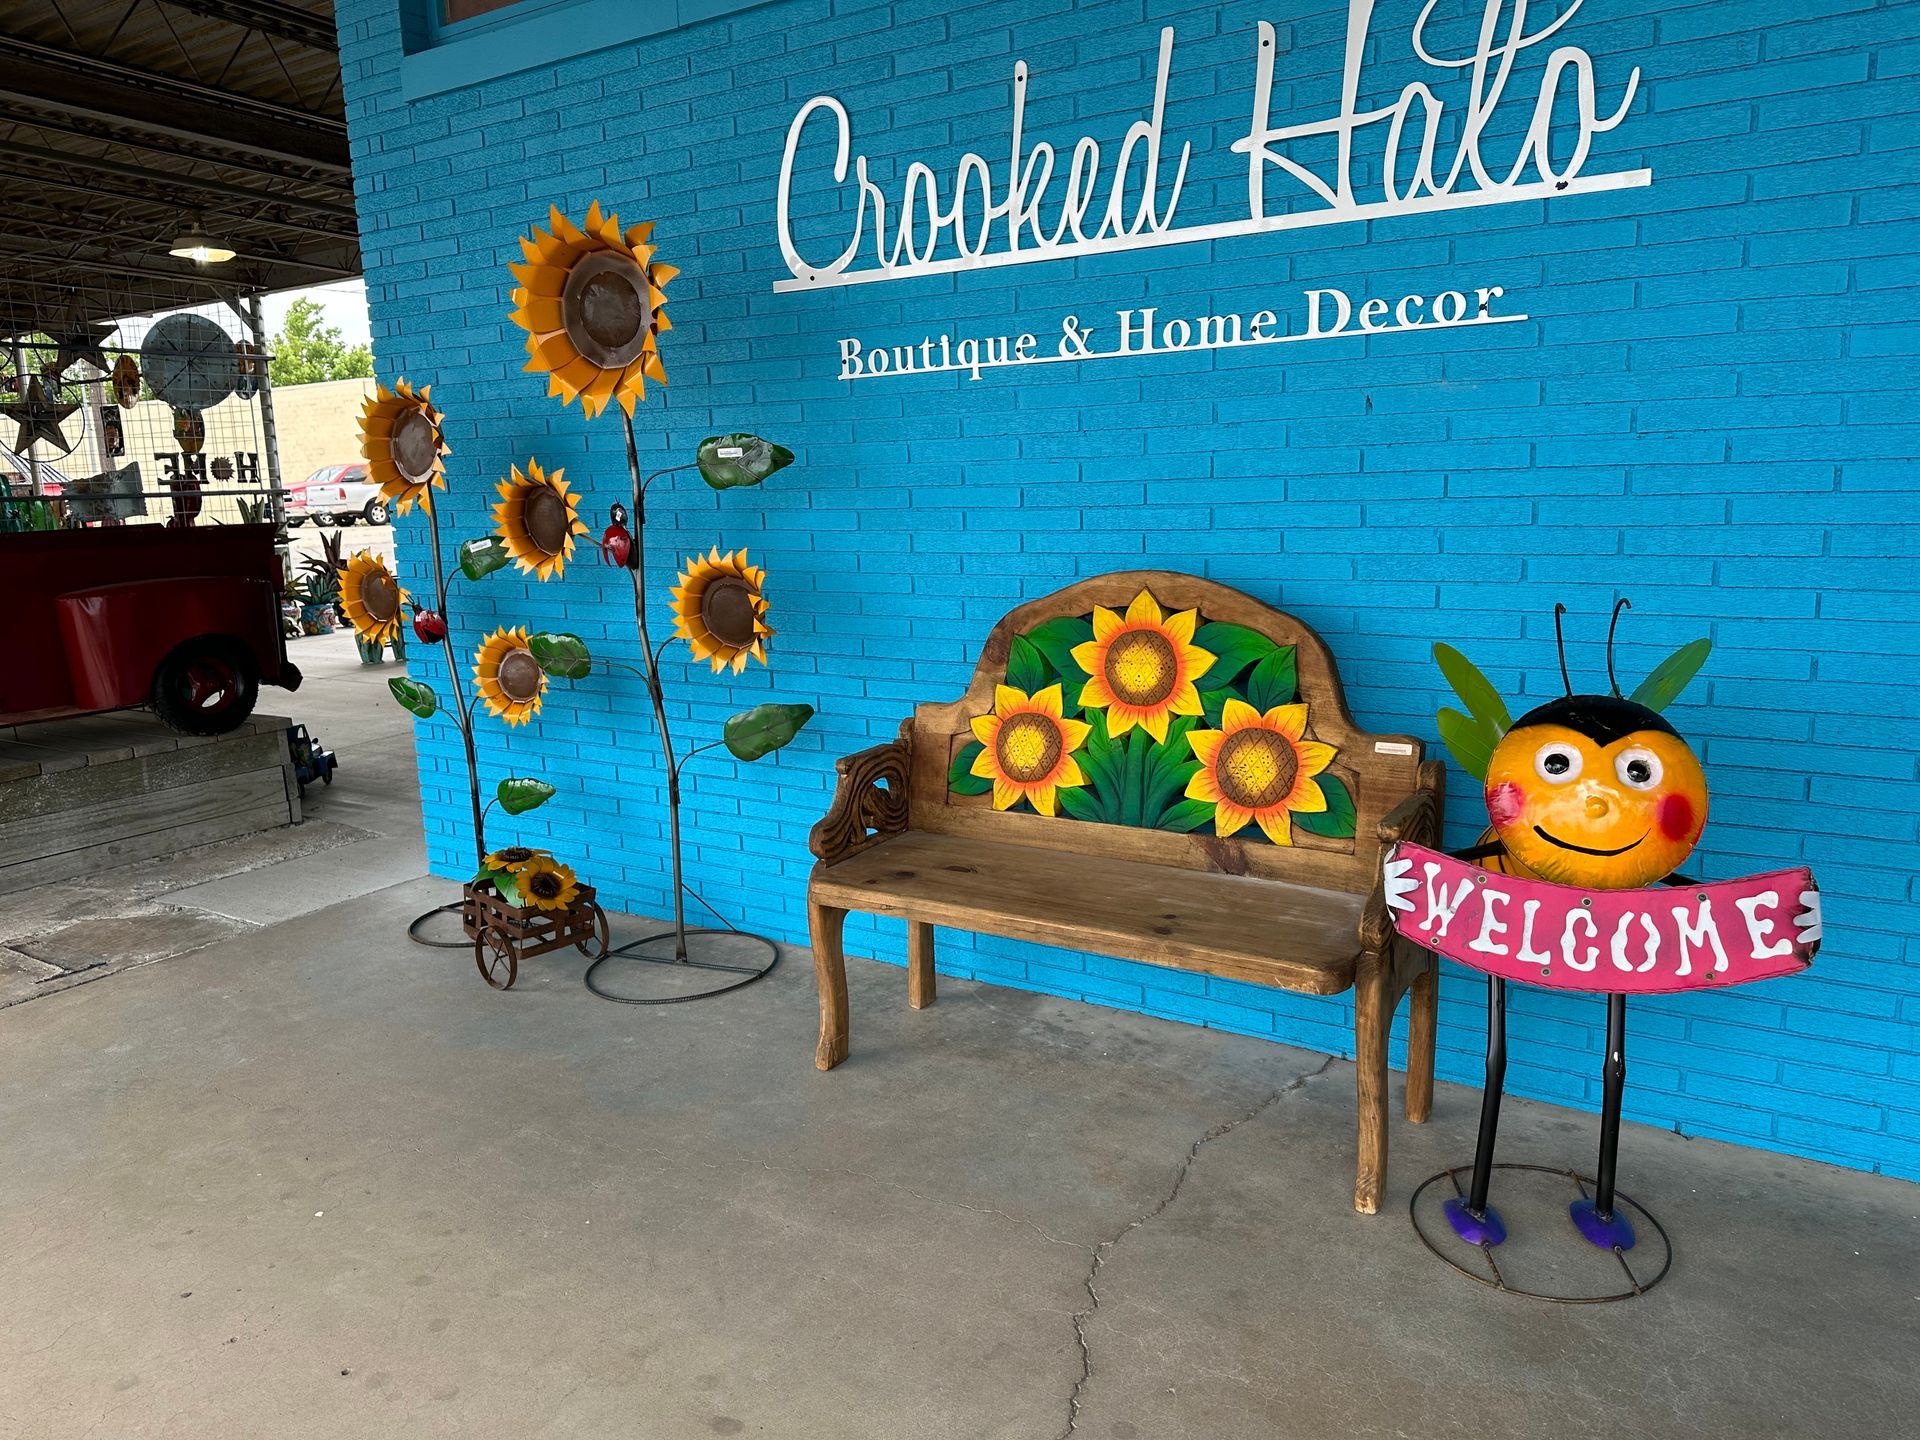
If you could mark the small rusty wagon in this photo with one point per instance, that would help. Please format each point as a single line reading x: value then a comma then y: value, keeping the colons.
x: 503, y: 935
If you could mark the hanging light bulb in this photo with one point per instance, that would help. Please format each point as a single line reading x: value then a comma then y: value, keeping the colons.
x: 196, y: 245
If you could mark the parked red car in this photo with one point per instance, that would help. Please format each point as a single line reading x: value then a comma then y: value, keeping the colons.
x: 186, y: 620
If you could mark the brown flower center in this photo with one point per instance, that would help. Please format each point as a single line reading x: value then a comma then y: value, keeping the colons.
x: 1255, y: 769
x: 1028, y: 747
x: 545, y: 517
x: 605, y: 308
x: 546, y: 885
x: 414, y: 444
x: 380, y: 595
x: 726, y: 609
x: 514, y: 855
x: 520, y: 676
x: 1141, y: 668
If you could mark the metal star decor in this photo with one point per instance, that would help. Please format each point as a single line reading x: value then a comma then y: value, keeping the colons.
x: 82, y: 341
x: 39, y: 419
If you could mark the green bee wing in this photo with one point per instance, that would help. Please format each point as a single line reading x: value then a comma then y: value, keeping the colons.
x: 1672, y: 675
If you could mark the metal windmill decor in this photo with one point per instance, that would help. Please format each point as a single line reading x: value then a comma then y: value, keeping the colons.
x: 521, y: 901
x: 592, y: 300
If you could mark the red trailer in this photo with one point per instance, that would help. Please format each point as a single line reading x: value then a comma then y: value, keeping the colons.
x: 184, y: 620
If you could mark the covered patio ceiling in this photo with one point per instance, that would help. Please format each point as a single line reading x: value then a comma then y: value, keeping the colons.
x: 124, y: 123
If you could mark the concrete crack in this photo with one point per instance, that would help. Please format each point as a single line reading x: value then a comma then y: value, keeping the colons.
x: 1104, y: 1249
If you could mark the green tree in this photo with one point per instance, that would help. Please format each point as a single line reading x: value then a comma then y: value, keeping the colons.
x: 307, y: 349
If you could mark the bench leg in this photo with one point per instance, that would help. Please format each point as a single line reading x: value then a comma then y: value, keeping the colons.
x: 1371, y: 1020
x: 824, y: 925
x: 1423, y: 1018
x: 919, y: 964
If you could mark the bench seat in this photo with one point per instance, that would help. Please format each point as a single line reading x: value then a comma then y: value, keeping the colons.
x: 1271, y: 932
x: 1153, y: 767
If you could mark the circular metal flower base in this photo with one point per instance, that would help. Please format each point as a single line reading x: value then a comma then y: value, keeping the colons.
x: 717, y: 962
x: 417, y: 927
x: 1531, y: 1246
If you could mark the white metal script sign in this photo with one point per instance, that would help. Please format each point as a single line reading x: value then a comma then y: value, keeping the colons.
x: 976, y: 219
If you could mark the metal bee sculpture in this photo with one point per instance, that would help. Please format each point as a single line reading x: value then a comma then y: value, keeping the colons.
x: 1596, y: 802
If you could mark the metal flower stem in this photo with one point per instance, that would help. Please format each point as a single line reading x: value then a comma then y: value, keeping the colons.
x: 637, y: 572
x: 463, y: 705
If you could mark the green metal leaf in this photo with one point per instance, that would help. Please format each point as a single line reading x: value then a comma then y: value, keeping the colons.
x: 728, y: 461
x: 763, y: 729
x: 960, y: 777
x: 1056, y: 639
x: 1476, y: 692
x: 1234, y: 648
x: 1672, y: 675
x: 518, y: 794
x: 1185, y: 816
x: 1467, y: 740
x: 1274, y: 681
x: 1027, y: 668
x: 415, y: 696
x: 561, y: 654
x: 1337, y: 821
x: 480, y: 558
x: 502, y: 881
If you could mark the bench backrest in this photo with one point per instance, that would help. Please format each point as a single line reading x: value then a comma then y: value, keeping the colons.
x: 1180, y: 738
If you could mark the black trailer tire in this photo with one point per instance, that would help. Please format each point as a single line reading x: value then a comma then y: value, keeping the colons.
x: 206, y: 686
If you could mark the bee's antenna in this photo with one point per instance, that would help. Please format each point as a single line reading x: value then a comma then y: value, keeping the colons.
x: 1560, y: 644
x: 1612, y: 625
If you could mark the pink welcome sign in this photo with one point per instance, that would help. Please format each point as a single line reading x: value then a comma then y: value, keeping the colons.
x: 1633, y: 942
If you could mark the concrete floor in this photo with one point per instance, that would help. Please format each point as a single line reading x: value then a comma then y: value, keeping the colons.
x: 312, y: 1181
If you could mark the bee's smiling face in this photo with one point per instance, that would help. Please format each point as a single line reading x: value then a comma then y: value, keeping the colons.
x: 1596, y: 792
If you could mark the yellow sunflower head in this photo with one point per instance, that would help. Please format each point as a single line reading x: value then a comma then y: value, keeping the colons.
x: 512, y: 858
x: 1026, y: 748
x: 507, y: 676
x: 1142, y: 666
x: 1260, y: 768
x: 400, y: 437
x: 546, y: 884
x: 592, y: 301
x: 372, y: 598
x: 538, y: 516
x: 720, y: 610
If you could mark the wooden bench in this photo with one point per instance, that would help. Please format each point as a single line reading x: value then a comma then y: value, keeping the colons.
x: 1131, y: 861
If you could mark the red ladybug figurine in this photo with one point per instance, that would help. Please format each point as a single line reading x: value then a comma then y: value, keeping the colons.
x: 429, y: 625
x: 616, y: 542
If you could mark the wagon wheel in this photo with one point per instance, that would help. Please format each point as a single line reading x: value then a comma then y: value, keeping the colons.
x: 594, y: 944
x: 494, y: 957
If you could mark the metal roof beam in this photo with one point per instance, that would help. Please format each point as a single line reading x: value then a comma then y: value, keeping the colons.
x: 105, y: 133
x: 149, y: 184
x: 288, y: 22
x: 165, y: 104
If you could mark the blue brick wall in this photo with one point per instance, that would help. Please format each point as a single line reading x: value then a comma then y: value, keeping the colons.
x: 1710, y: 411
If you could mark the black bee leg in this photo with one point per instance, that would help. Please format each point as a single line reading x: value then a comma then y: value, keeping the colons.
x: 1473, y: 1219
x: 1596, y: 1218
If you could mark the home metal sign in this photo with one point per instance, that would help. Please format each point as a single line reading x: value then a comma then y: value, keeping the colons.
x: 1042, y: 206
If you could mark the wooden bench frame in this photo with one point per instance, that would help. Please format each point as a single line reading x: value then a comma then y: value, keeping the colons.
x: 901, y: 787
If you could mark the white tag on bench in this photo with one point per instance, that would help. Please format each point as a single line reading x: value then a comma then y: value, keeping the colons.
x: 1392, y: 747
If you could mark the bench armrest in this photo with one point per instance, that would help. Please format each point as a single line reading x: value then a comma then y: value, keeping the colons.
x: 864, y: 810
x: 1418, y: 819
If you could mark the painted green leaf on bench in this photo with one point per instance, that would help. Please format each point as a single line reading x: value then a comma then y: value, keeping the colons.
x: 960, y: 777
x: 1185, y: 816
x: 1234, y: 648
x: 1028, y: 669
x: 1336, y: 822
x: 1274, y: 681
x: 1055, y: 640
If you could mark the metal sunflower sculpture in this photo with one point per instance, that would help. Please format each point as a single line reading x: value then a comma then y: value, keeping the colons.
x: 592, y: 300
x: 371, y: 599
x: 720, y: 610
x: 404, y: 445
x: 538, y: 517
x: 520, y: 901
